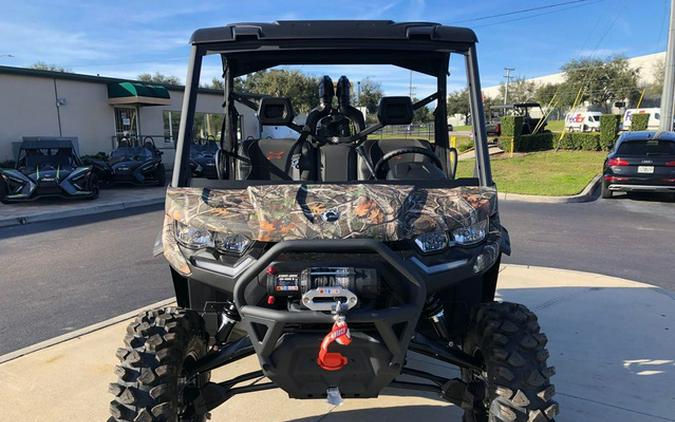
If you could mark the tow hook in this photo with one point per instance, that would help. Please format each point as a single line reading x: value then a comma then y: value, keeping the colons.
x: 339, y: 333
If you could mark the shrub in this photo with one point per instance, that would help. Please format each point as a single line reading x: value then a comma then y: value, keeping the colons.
x: 609, y: 130
x: 538, y: 142
x: 512, y: 126
x: 581, y: 141
x: 639, y: 121
x: 505, y: 143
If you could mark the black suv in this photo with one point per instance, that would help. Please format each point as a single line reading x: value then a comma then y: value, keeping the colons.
x: 640, y: 162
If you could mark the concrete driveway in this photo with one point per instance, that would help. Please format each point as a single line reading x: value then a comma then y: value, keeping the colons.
x: 611, y: 340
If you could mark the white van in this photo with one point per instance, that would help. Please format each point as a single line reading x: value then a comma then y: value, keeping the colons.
x: 583, y: 121
x: 654, y: 117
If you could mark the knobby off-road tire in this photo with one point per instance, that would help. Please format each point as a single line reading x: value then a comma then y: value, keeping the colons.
x: 507, y: 337
x: 157, y: 345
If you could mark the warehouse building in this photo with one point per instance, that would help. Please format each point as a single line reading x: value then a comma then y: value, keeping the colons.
x: 647, y: 65
x: 97, y: 111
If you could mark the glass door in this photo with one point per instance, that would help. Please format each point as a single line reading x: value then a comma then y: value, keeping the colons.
x: 126, y: 124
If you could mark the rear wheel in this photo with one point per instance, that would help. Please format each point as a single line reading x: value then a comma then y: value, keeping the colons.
x: 94, y: 187
x: 516, y: 379
x: 3, y: 191
x: 605, y: 192
x: 152, y: 384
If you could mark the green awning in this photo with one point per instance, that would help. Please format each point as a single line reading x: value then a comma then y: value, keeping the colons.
x: 138, y: 93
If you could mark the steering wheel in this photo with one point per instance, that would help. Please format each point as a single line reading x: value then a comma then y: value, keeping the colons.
x: 408, y: 150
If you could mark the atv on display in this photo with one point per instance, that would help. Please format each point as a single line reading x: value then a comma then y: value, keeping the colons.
x: 133, y: 161
x: 203, y: 158
x: 333, y: 254
x: 47, y: 168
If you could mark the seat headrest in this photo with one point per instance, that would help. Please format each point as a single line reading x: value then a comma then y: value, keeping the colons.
x: 275, y: 111
x: 326, y: 90
x: 395, y: 111
x: 343, y: 90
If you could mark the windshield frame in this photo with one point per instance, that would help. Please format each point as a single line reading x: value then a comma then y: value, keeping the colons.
x: 354, y: 51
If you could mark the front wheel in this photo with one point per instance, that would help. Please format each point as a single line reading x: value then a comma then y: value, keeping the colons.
x: 507, y: 339
x: 152, y: 384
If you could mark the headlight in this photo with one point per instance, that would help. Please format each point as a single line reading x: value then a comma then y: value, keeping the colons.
x: 432, y: 242
x: 198, y: 238
x: 231, y: 243
x: 193, y: 237
x: 472, y: 234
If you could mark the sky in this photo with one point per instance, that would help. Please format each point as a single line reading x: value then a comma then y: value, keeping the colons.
x: 125, y: 38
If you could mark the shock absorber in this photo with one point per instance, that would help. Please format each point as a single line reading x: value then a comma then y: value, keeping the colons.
x: 228, y: 318
x: 434, y: 311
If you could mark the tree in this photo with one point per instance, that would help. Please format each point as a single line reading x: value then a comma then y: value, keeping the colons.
x: 520, y: 91
x: 602, y: 82
x: 216, y: 83
x: 302, y: 89
x: 50, y: 67
x: 371, y: 93
x: 458, y: 102
x: 422, y: 114
x: 159, y: 78
x: 654, y: 90
x: 543, y: 94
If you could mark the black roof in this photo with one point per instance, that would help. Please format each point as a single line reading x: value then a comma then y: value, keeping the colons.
x: 250, y: 47
x: 47, y: 143
x: 333, y: 30
x: 642, y: 135
x: 24, y: 71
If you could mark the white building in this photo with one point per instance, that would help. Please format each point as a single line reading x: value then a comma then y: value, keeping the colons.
x: 647, y: 64
x: 96, y: 110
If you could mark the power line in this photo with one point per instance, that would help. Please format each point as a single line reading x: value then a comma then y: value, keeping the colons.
x: 515, y: 12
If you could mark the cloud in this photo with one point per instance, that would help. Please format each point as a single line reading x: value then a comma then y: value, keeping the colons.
x: 37, y: 43
x: 600, y: 52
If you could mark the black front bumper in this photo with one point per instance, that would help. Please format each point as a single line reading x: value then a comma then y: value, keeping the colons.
x: 287, y: 343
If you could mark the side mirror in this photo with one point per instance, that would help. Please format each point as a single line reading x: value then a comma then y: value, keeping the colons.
x: 275, y: 111
x: 395, y: 111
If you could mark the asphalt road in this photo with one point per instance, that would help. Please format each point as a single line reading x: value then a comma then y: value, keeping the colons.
x: 60, y: 276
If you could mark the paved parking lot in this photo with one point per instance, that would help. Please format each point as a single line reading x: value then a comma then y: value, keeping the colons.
x: 96, y: 267
x: 110, y: 199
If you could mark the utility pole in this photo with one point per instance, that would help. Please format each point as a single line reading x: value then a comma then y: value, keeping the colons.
x: 358, y: 93
x: 668, y: 94
x: 507, y: 75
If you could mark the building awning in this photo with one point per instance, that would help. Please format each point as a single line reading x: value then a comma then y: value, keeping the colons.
x: 138, y: 94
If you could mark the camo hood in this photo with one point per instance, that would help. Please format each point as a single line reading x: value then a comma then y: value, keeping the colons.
x: 273, y: 213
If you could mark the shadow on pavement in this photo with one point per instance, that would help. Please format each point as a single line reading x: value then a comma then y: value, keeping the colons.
x: 398, y: 413
x: 67, y: 222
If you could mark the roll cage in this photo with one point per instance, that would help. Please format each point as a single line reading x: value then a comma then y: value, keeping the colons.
x: 249, y: 47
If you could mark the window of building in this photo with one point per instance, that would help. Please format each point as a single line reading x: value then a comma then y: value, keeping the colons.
x: 206, y: 125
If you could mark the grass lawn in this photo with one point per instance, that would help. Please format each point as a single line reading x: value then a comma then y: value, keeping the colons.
x: 463, y: 128
x: 542, y: 173
x: 555, y: 125
x: 463, y: 142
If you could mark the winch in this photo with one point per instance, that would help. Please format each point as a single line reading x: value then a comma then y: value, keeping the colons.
x: 320, y: 288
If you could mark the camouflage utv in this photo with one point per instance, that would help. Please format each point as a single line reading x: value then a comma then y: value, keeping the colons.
x: 333, y: 253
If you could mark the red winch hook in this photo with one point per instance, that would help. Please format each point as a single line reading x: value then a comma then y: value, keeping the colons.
x: 334, y: 361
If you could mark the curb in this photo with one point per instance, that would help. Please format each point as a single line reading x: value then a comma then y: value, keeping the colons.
x: 586, y: 195
x: 82, y: 331
x: 78, y: 212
